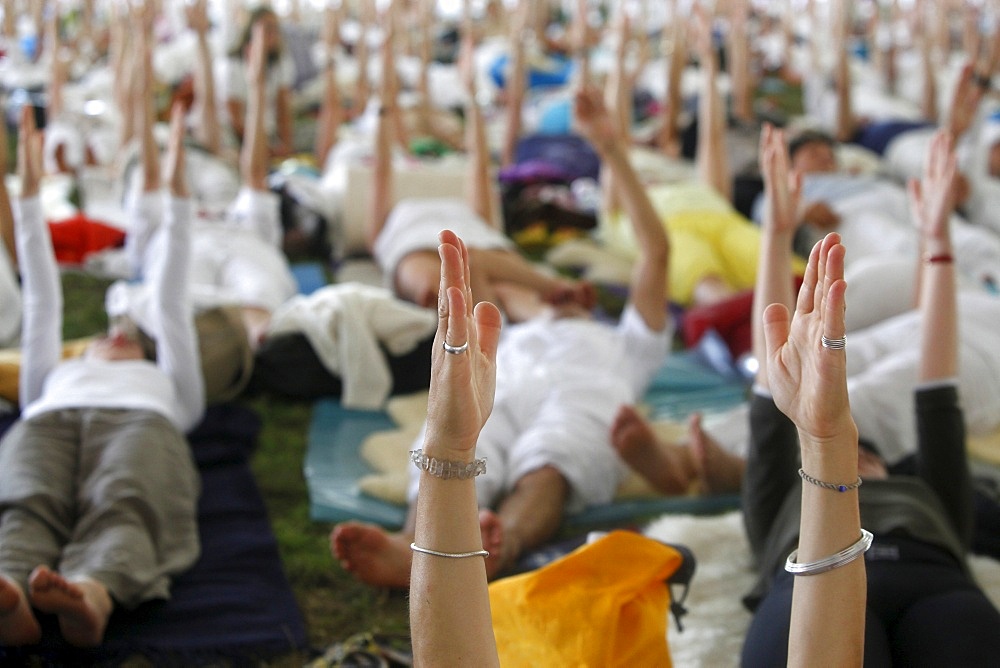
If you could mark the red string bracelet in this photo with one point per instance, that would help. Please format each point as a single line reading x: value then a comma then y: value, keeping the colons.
x: 940, y: 258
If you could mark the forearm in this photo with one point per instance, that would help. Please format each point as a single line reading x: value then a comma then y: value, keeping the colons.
x: 254, y: 152
x: 42, y: 300
x: 209, y: 127
x: 939, y: 312
x: 480, y: 191
x: 712, y: 160
x: 514, y: 100
x: 648, y: 287
x: 942, y: 462
x: 830, y: 522
x: 177, y: 343
x: 446, y: 593
x: 382, y: 175
x: 774, y: 286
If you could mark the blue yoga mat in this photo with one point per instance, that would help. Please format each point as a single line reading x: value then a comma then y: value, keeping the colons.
x: 234, y: 606
x: 310, y: 276
x: 334, y: 465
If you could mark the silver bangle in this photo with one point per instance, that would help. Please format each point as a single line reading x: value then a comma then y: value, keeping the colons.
x: 842, y: 558
x: 447, y: 469
x: 829, y: 485
x: 449, y: 555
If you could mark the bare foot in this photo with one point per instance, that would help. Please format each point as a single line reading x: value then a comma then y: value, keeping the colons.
x: 666, y: 466
x: 83, y: 607
x: 18, y: 625
x: 501, y: 547
x: 372, y: 554
x: 718, y: 471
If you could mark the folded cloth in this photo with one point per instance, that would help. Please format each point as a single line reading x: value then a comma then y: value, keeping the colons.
x: 604, y: 604
x: 345, y: 323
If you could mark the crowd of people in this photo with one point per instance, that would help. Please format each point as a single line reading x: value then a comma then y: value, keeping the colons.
x: 862, y: 236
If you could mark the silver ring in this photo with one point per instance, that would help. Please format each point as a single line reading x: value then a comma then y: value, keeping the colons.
x: 455, y: 350
x: 834, y: 344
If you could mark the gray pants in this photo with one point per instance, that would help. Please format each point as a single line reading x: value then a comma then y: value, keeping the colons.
x: 103, y: 493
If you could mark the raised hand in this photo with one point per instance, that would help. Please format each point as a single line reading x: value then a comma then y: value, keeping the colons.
x: 965, y: 101
x: 782, y: 187
x: 463, y: 383
x: 932, y: 198
x: 257, y: 56
x: 173, y: 167
x: 807, y: 379
x: 197, y: 17
x: 592, y: 118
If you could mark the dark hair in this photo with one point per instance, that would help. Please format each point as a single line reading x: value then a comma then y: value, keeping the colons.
x: 247, y: 34
x: 809, y: 137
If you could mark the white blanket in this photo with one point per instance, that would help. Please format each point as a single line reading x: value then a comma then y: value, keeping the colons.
x: 345, y: 323
x: 717, y: 621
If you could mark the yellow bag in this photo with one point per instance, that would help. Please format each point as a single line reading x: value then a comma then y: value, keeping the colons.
x: 604, y: 604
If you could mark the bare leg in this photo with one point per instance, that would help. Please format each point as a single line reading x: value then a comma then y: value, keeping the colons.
x: 82, y: 607
x: 528, y: 516
x: 668, y: 467
x: 718, y: 471
x: 18, y: 625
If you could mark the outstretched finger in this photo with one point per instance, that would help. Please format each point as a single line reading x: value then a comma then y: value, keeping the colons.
x: 830, y: 241
x: 454, y: 295
x: 777, y: 325
x: 835, y: 306
x: 804, y: 303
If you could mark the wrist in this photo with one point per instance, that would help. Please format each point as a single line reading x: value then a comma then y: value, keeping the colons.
x: 831, y: 456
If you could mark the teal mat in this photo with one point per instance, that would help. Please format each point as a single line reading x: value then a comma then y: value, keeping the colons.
x: 310, y: 276
x: 334, y: 465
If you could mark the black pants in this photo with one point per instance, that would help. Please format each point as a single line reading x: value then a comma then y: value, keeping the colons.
x: 923, y: 610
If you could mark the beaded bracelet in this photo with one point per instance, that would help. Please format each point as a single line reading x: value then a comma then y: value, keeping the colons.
x: 447, y: 469
x: 829, y: 485
x: 842, y: 558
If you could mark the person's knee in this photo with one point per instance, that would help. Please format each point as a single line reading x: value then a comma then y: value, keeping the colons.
x: 547, y: 477
x: 417, y: 279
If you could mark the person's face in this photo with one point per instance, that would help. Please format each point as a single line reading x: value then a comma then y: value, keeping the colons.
x: 118, y: 344
x: 814, y: 157
x: 272, y: 33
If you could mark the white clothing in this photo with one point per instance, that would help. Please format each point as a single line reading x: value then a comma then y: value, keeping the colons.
x: 882, y: 367
x: 10, y: 300
x: 414, y: 224
x: 171, y: 387
x: 875, y: 221
x: 236, y: 262
x: 560, y: 383
x: 345, y: 324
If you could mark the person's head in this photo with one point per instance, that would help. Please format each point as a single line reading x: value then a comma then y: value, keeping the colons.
x: 812, y: 151
x: 123, y: 341
x: 418, y: 279
x: 272, y: 34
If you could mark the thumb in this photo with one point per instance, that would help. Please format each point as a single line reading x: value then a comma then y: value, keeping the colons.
x: 777, y: 323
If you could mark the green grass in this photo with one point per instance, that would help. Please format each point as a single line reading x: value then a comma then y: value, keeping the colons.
x: 334, y: 604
